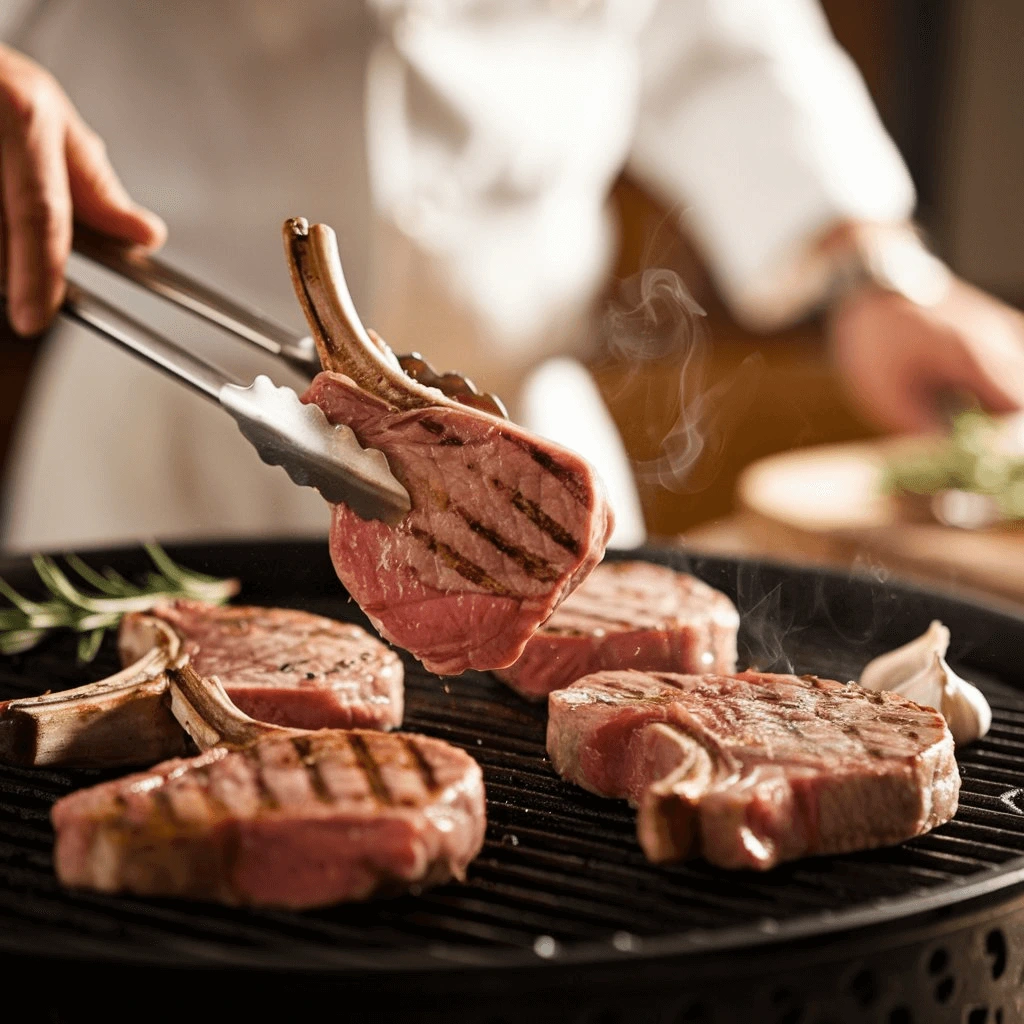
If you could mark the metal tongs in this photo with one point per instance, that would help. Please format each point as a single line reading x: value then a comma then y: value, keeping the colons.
x: 284, y: 431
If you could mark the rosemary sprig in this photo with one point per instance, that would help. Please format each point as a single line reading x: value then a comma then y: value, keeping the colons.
x: 26, y: 622
x: 973, y: 458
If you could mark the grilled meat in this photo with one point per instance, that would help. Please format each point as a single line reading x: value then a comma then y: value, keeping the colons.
x: 286, y: 667
x: 755, y: 769
x: 275, y: 817
x: 629, y: 615
x: 283, y: 666
x: 503, y: 524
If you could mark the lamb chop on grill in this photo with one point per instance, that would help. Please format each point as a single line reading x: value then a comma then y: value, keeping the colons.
x: 503, y: 526
x: 269, y: 816
x: 283, y: 666
x: 754, y: 769
x: 629, y: 615
x: 280, y: 665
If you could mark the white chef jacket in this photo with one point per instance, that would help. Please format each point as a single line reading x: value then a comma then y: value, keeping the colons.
x: 464, y: 152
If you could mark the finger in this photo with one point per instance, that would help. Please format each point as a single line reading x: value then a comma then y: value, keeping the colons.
x: 997, y: 381
x: 99, y: 198
x: 904, y: 406
x: 36, y: 213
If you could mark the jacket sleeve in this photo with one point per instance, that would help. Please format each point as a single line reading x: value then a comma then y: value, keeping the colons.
x: 758, y: 125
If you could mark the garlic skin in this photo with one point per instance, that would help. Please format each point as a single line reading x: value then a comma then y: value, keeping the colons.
x: 963, y: 706
x: 888, y: 671
x: 919, y: 671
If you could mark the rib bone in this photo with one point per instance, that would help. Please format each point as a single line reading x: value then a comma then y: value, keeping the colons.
x: 342, y: 342
x: 119, y: 721
x: 206, y: 713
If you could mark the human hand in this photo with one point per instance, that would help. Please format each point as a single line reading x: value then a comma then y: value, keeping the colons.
x: 897, y: 358
x: 53, y: 170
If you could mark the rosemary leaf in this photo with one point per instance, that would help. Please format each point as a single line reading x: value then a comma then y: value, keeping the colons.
x: 104, y: 584
x: 197, y: 584
x: 89, y: 645
x: 21, y: 603
x: 116, y: 579
x: 12, y: 618
x: 15, y: 641
x: 92, y: 614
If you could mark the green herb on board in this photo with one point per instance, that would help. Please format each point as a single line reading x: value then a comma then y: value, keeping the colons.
x: 972, y: 458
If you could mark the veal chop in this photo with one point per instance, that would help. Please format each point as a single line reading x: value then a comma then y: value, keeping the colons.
x: 275, y: 817
x: 283, y: 666
x: 629, y: 615
x: 504, y: 524
x: 754, y: 769
x: 286, y: 667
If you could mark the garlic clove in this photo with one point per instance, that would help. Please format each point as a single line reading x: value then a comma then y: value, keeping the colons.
x: 966, y: 710
x: 963, y: 705
x: 888, y: 671
x: 927, y: 686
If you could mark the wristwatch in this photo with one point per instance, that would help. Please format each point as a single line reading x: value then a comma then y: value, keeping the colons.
x: 846, y: 258
x: 893, y: 260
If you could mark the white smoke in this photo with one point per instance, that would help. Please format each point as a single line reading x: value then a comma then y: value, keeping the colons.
x: 656, y: 319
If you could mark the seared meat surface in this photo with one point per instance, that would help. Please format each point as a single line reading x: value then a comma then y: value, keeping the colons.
x: 751, y: 770
x: 283, y: 666
x: 275, y: 817
x: 629, y: 615
x: 503, y: 524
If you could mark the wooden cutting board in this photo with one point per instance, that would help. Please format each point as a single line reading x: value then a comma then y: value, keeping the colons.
x: 827, y: 503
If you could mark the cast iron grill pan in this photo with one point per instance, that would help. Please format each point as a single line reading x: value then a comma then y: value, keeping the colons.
x: 561, y: 889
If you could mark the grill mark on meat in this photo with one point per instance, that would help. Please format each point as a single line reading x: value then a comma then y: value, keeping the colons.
x: 463, y: 566
x: 423, y: 766
x: 303, y: 746
x: 533, y: 565
x: 564, y: 476
x: 441, y: 432
x: 161, y: 804
x: 371, y: 769
x: 558, y: 533
x: 267, y: 798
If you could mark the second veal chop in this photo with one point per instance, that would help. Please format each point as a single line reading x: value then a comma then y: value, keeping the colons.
x: 267, y: 816
x: 280, y: 665
x: 629, y: 615
x: 754, y: 769
x: 503, y: 524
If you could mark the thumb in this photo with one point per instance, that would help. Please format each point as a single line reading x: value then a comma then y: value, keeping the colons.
x: 99, y: 198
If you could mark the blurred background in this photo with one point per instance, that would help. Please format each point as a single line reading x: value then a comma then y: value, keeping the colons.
x: 947, y: 78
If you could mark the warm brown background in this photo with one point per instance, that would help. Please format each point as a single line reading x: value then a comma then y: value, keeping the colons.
x: 789, y: 396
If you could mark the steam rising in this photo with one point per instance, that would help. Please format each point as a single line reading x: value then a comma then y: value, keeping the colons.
x: 656, y: 318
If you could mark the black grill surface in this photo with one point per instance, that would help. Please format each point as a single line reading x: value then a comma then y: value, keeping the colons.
x: 561, y: 878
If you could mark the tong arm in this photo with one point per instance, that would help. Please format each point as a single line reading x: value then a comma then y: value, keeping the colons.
x: 284, y: 431
x: 154, y: 275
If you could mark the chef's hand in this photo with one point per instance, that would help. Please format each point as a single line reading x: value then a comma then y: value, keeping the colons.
x: 53, y: 170
x: 898, y: 358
